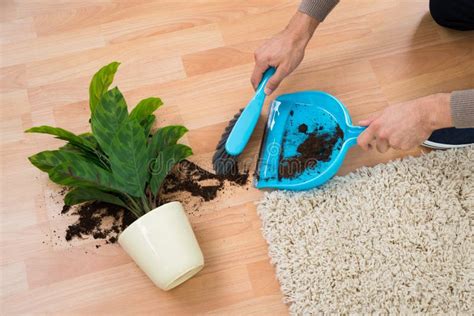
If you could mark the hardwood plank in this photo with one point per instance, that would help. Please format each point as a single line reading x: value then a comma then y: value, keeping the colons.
x: 423, y: 71
x: 423, y: 61
x: 27, y: 8
x: 74, y: 91
x: 53, y: 46
x: 12, y: 78
x: 266, y: 305
x: 261, y: 284
x: 17, y: 30
x: 8, y: 10
x: 141, y: 21
x: 64, y: 264
x: 88, y: 293
x: 91, y: 14
x: 258, y: 26
x: 15, y: 111
x: 133, y: 72
x: 13, y: 279
x: 215, y: 59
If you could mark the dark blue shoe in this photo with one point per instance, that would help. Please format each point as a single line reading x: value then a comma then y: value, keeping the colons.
x: 446, y: 138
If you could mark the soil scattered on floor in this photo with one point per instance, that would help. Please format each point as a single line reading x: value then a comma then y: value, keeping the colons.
x: 105, y: 221
x: 189, y: 177
x: 315, y: 148
x: 99, y: 220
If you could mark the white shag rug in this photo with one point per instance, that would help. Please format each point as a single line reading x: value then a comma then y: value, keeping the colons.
x: 394, y: 238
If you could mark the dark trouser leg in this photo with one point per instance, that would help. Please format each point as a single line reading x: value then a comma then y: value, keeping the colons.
x: 455, y: 14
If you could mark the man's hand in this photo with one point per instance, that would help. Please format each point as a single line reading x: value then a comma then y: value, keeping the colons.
x: 406, y: 125
x: 285, y: 51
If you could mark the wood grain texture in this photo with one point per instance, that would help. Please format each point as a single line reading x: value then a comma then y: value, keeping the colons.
x: 198, y: 57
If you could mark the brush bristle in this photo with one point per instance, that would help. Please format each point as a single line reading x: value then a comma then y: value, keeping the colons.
x: 223, y: 163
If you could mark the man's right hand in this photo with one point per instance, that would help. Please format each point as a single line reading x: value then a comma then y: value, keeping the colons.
x: 284, y: 51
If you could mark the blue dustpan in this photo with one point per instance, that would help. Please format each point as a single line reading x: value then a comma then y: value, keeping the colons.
x: 320, y: 112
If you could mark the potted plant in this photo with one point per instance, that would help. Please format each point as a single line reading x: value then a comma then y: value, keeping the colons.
x: 123, y: 162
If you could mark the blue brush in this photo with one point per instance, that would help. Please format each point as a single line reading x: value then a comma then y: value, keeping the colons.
x: 243, y: 128
x: 238, y: 131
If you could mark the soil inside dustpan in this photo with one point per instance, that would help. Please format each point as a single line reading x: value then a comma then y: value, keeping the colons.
x: 105, y: 221
x: 317, y: 147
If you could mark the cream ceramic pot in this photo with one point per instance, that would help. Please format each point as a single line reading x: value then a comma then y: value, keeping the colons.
x: 163, y: 245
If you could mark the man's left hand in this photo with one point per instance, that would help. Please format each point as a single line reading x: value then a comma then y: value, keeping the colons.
x: 406, y: 125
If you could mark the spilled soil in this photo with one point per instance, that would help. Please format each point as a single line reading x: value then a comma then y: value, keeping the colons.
x: 99, y: 220
x: 317, y: 147
x: 191, y: 178
x: 105, y: 221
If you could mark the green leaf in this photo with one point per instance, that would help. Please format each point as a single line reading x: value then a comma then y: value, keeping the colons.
x: 148, y: 124
x: 83, y: 173
x: 47, y: 160
x: 81, y: 142
x: 109, y: 115
x: 129, y: 158
x: 80, y: 195
x: 98, y: 157
x: 100, y: 83
x: 145, y: 108
x: 90, y: 138
x: 101, y: 161
x: 165, y: 137
x: 166, y: 159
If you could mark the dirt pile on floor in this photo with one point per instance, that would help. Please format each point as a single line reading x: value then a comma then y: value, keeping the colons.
x: 189, y: 177
x: 99, y: 220
x: 105, y: 221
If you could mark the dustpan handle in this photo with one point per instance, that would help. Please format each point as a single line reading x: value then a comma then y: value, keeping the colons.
x: 352, y: 133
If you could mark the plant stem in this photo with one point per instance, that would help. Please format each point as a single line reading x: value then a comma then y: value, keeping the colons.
x: 135, y: 205
x: 134, y: 212
x: 145, y: 204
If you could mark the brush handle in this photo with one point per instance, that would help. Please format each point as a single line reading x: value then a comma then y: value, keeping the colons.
x: 243, y: 128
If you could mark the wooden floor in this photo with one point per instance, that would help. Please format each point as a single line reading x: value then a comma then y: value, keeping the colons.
x: 197, y: 56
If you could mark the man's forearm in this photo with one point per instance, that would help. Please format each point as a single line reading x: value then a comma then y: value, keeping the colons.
x: 317, y: 9
x: 302, y: 26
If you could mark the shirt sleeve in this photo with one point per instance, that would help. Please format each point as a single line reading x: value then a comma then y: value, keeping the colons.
x: 318, y: 9
x: 462, y: 108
